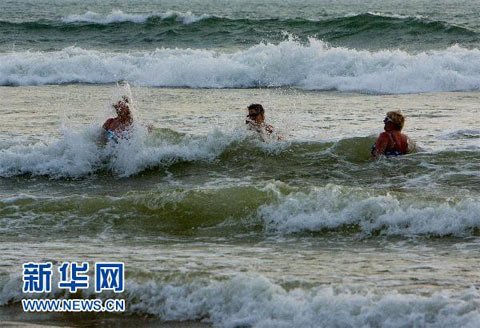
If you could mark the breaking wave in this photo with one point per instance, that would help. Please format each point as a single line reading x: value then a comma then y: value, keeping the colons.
x: 275, y: 209
x: 338, y: 208
x: 79, y: 153
x: 255, y: 301
x: 312, y: 66
x: 117, y: 16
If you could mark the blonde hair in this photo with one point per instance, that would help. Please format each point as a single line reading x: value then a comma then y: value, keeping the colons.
x: 397, y: 118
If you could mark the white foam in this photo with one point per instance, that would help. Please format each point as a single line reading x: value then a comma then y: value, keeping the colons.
x: 255, y: 301
x: 396, y: 16
x: 136, y: 155
x: 185, y: 18
x: 461, y: 134
x: 118, y: 16
x: 16, y: 198
x: 75, y: 154
x: 333, y: 207
x: 314, y: 66
x: 78, y: 153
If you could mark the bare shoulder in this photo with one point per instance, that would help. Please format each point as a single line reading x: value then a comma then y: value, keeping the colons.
x: 383, y: 135
x: 107, y: 123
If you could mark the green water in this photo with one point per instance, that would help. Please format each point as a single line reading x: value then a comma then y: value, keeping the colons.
x: 213, y: 224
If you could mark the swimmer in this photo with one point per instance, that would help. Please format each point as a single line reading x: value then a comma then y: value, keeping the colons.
x: 392, y: 142
x: 115, y: 127
x: 256, y: 122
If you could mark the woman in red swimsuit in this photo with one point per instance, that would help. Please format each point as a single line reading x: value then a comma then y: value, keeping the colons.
x: 392, y: 142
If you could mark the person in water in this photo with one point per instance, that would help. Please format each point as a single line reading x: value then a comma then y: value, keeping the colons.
x: 116, y: 126
x: 256, y: 121
x: 392, y: 142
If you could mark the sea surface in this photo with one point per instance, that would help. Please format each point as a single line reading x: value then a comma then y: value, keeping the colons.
x: 217, y: 227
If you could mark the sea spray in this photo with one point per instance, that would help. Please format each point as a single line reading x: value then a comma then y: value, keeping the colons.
x: 77, y: 153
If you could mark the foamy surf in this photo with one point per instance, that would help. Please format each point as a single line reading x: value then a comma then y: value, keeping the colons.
x: 77, y: 154
x: 118, y: 16
x: 312, y: 66
x: 255, y: 301
x: 276, y: 210
x: 333, y: 207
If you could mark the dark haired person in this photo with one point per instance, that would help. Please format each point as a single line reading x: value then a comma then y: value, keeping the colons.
x: 115, y: 127
x: 256, y: 121
x: 392, y: 142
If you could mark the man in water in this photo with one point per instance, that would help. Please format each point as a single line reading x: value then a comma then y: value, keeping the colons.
x: 115, y: 127
x: 256, y: 121
x: 392, y: 142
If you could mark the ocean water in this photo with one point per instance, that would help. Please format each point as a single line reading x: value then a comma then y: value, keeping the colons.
x: 215, y: 226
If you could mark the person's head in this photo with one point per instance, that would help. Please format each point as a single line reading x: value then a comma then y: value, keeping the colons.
x: 394, y: 120
x: 256, y: 114
x: 122, y: 107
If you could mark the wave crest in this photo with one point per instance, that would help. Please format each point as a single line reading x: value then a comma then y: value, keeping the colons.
x: 256, y: 301
x: 275, y: 210
x: 312, y: 66
x: 334, y: 208
x: 79, y: 153
x: 118, y: 16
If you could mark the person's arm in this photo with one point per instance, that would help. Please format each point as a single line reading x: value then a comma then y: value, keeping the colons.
x: 271, y: 131
x: 380, y: 145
